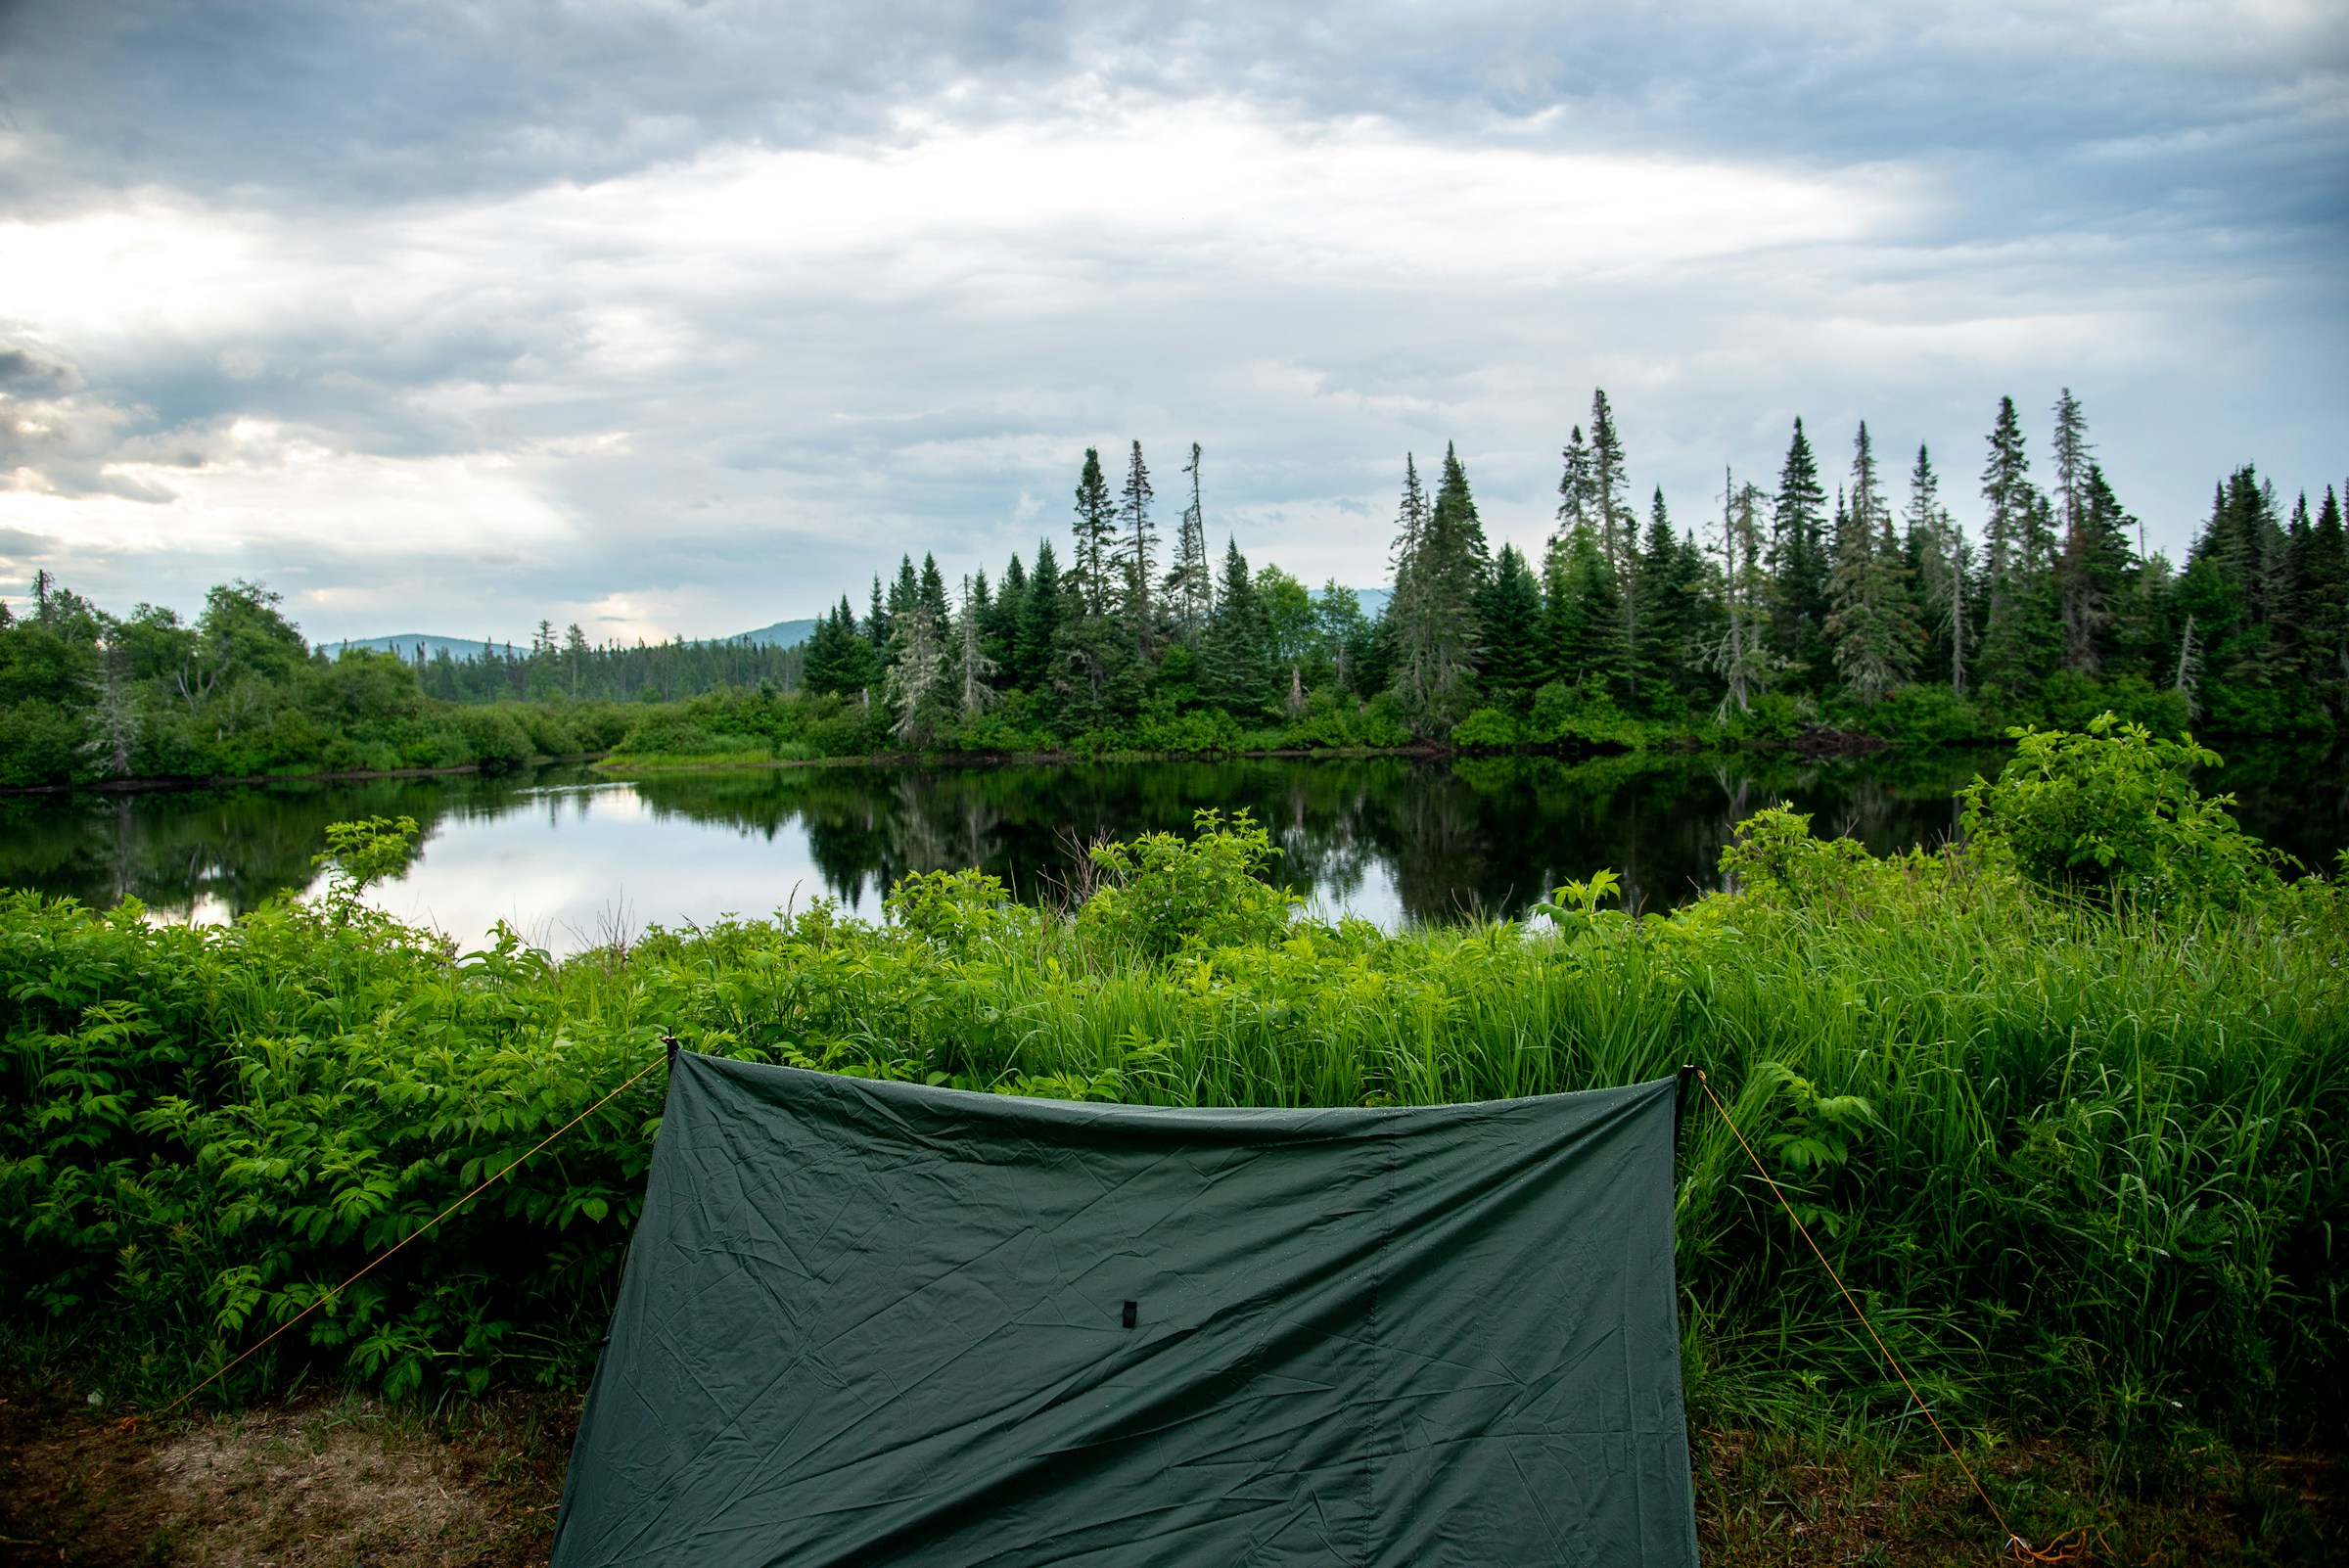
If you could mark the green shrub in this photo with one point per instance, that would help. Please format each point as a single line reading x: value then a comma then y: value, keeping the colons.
x: 1162, y: 894
x: 1488, y: 729
x: 492, y: 738
x: 2110, y: 812
x: 1929, y: 714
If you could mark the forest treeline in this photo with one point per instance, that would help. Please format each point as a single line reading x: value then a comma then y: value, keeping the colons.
x: 566, y: 668
x: 1791, y: 608
x: 1814, y: 601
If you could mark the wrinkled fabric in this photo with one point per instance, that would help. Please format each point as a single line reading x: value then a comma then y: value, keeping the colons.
x: 869, y: 1322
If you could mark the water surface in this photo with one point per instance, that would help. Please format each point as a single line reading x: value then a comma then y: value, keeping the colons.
x: 571, y: 857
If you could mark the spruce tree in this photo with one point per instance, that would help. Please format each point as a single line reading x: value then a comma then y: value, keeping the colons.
x: 1036, y: 640
x: 2092, y: 571
x: 1001, y: 626
x: 2021, y: 633
x: 2071, y: 451
x: 1096, y: 534
x: 1236, y: 655
x: 1509, y: 610
x: 916, y: 687
x: 1090, y: 648
x: 1940, y: 561
x: 1190, y: 580
x: 2326, y: 590
x: 1798, y: 566
x: 1406, y: 604
x: 825, y: 671
x: 1437, y: 632
x: 1740, y: 653
x: 932, y: 588
x: 973, y: 665
x: 1583, y: 620
x: 1618, y: 524
x: 1875, y: 640
x: 906, y: 591
x: 876, y: 623
x: 1668, y: 583
x: 2224, y: 588
x: 1136, y: 550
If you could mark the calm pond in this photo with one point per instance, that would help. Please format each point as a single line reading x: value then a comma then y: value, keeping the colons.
x: 571, y: 857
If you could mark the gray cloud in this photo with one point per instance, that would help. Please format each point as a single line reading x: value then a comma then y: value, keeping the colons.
x: 692, y: 316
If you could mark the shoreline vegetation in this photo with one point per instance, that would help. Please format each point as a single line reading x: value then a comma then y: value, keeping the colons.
x: 2067, y: 1103
x: 1786, y: 620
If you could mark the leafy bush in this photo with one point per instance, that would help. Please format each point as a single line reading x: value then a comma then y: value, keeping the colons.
x: 1488, y: 729
x: 953, y: 908
x: 493, y: 738
x: 2111, y: 813
x: 671, y: 734
x: 1774, y: 855
x: 1929, y: 714
x: 1162, y: 894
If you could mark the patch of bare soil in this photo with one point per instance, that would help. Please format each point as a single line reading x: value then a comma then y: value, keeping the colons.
x: 332, y: 1481
x: 1780, y: 1500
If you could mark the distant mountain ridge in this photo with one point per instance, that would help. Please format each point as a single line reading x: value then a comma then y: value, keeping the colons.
x: 780, y: 634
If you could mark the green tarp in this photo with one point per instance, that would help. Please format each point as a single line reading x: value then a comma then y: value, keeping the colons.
x: 868, y: 1323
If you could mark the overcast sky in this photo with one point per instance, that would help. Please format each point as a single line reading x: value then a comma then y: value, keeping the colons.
x: 670, y: 318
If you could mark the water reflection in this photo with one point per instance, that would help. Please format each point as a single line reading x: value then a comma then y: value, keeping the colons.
x: 572, y: 857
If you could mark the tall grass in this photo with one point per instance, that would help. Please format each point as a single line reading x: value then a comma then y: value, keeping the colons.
x: 2085, y: 1167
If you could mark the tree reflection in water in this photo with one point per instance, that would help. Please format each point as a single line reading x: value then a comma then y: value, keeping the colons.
x: 1391, y: 838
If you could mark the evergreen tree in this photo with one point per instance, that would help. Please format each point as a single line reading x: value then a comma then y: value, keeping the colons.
x: 1436, y: 581
x: 2071, y: 451
x: 1000, y: 625
x: 916, y: 687
x: 1036, y: 640
x: 2021, y: 636
x: 906, y: 591
x: 1740, y: 653
x: 2095, y: 565
x: 1618, y: 523
x: 1798, y: 566
x: 1509, y: 610
x: 1236, y: 655
x: 2324, y: 591
x: 1090, y: 568
x: 1089, y: 651
x: 1941, y: 562
x: 1406, y: 604
x: 1875, y: 640
x: 933, y: 589
x: 1137, y: 544
x: 834, y: 653
x: 877, y: 628
x: 2224, y: 588
x: 1670, y: 585
x: 1191, y: 581
x: 1583, y: 620
x: 973, y: 665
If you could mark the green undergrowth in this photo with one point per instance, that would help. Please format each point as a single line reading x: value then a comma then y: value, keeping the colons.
x: 2065, y: 1106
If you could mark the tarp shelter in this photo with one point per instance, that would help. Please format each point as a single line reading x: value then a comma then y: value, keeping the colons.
x: 870, y: 1322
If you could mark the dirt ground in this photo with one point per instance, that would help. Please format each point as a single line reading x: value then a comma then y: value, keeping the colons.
x: 341, y: 1481
x: 332, y: 1481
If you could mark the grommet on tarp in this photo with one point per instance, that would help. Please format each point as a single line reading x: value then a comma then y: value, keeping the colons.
x: 674, y: 1045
